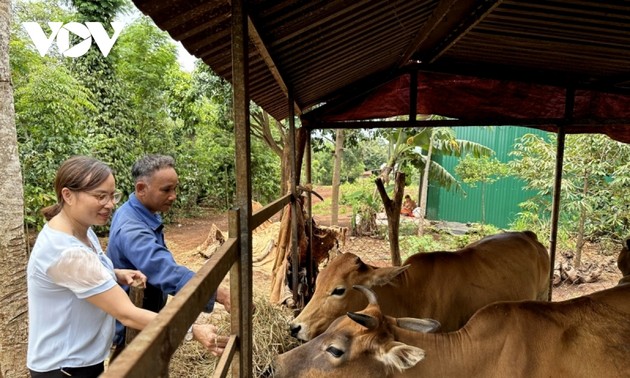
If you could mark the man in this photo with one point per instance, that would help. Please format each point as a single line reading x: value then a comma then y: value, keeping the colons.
x: 136, y: 240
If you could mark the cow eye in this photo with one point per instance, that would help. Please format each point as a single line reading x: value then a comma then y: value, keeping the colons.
x: 334, y: 351
x: 338, y: 291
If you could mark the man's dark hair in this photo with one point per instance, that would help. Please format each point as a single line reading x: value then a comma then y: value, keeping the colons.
x: 146, y: 166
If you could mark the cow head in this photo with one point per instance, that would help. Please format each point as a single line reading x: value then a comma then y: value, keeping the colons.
x: 334, y: 296
x: 360, y: 344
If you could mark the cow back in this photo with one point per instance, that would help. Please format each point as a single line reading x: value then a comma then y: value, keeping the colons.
x: 451, y: 286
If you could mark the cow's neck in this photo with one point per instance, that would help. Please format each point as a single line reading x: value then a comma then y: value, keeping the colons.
x: 453, y: 354
x: 408, y: 294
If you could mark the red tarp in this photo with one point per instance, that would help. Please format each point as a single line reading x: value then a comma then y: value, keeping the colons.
x: 474, y: 99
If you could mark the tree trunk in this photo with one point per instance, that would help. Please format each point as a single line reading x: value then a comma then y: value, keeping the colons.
x: 579, y: 244
x: 392, y: 209
x: 483, y: 203
x: 300, y: 144
x: 13, y: 257
x: 425, y: 186
x: 336, y: 181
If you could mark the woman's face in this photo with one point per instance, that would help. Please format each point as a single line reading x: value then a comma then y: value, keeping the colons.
x: 86, y: 208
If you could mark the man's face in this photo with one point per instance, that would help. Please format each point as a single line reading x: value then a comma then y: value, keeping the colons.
x: 158, y: 192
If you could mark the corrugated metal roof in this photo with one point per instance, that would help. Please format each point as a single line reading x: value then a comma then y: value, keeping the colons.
x: 325, y: 50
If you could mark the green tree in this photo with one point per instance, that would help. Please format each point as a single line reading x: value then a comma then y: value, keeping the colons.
x: 112, y: 135
x: 49, y: 108
x: 484, y: 170
x: 594, y: 180
x: 147, y: 70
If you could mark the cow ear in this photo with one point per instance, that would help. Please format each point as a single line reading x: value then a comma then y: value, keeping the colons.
x: 400, y: 356
x: 383, y: 276
x: 418, y: 325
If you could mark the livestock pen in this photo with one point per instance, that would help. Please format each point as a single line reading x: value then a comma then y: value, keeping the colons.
x: 345, y: 65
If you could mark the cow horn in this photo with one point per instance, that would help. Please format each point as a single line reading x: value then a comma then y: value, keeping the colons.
x: 365, y: 320
x: 371, y: 296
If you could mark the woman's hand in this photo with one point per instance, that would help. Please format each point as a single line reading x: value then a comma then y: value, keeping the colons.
x: 129, y: 276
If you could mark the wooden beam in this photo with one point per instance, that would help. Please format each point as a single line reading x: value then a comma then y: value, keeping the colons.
x: 162, y: 335
x: 573, y: 127
x: 353, y: 91
x: 204, y: 9
x: 557, y: 186
x: 424, y: 36
x: 243, y: 363
x: 268, y: 211
x: 255, y: 37
x: 222, y: 369
x: 449, y: 22
x: 295, y: 257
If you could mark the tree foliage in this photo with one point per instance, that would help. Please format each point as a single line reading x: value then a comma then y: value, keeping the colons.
x: 136, y: 101
x: 483, y: 170
x: 594, y: 184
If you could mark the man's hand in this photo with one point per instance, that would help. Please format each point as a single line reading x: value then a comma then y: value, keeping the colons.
x: 223, y: 297
x: 207, y: 335
x: 128, y: 276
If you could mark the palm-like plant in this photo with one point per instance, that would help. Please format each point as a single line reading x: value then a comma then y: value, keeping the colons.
x: 409, y: 146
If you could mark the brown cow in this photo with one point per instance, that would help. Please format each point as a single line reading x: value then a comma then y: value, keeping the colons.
x: 623, y: 262
x: 585, y: 337
x: 446, y: 286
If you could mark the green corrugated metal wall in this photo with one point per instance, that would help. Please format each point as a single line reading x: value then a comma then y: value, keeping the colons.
x: 502, y: 197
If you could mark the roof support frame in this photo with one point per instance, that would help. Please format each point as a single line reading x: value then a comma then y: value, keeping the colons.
x: 572, y: 126
x: 450, y: 21
x: 557, y: 187
x: 255, y: 37
x: 242, y: 364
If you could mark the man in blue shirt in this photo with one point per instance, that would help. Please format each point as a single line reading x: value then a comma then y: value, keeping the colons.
x: 136, y: 236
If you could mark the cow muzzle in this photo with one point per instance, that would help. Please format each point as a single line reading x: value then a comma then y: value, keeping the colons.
x: 295, y: 329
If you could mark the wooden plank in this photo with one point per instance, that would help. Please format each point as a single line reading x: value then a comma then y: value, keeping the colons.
x: 270, y: 210
x: 221, y: 370
x: 136, y: 295
x: 235, y: 291
x: 254, y: 35
x: 150, y: 352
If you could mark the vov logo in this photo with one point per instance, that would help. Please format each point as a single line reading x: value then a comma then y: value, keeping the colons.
x: 62, y: 32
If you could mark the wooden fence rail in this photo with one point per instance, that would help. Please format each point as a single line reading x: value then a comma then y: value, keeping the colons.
x: 150, y: 352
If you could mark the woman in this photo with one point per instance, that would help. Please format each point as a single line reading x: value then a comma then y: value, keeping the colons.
x: 73, y: 291
x: 408, y: 206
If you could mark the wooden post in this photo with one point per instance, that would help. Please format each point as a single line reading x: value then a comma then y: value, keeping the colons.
x: 242, y: 365
x: 557, y: 186
x: 136, y: 294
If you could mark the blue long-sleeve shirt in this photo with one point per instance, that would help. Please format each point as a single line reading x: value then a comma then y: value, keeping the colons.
x: 136, y: 241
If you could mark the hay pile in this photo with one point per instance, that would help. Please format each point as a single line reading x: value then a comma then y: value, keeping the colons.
x: 270, y: 334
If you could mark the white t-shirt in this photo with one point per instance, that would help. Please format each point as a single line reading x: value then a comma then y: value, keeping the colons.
x: 65, y: 330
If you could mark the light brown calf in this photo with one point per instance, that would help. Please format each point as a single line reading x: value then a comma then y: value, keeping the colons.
x: 446, y: 286
x: 623, y: 262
